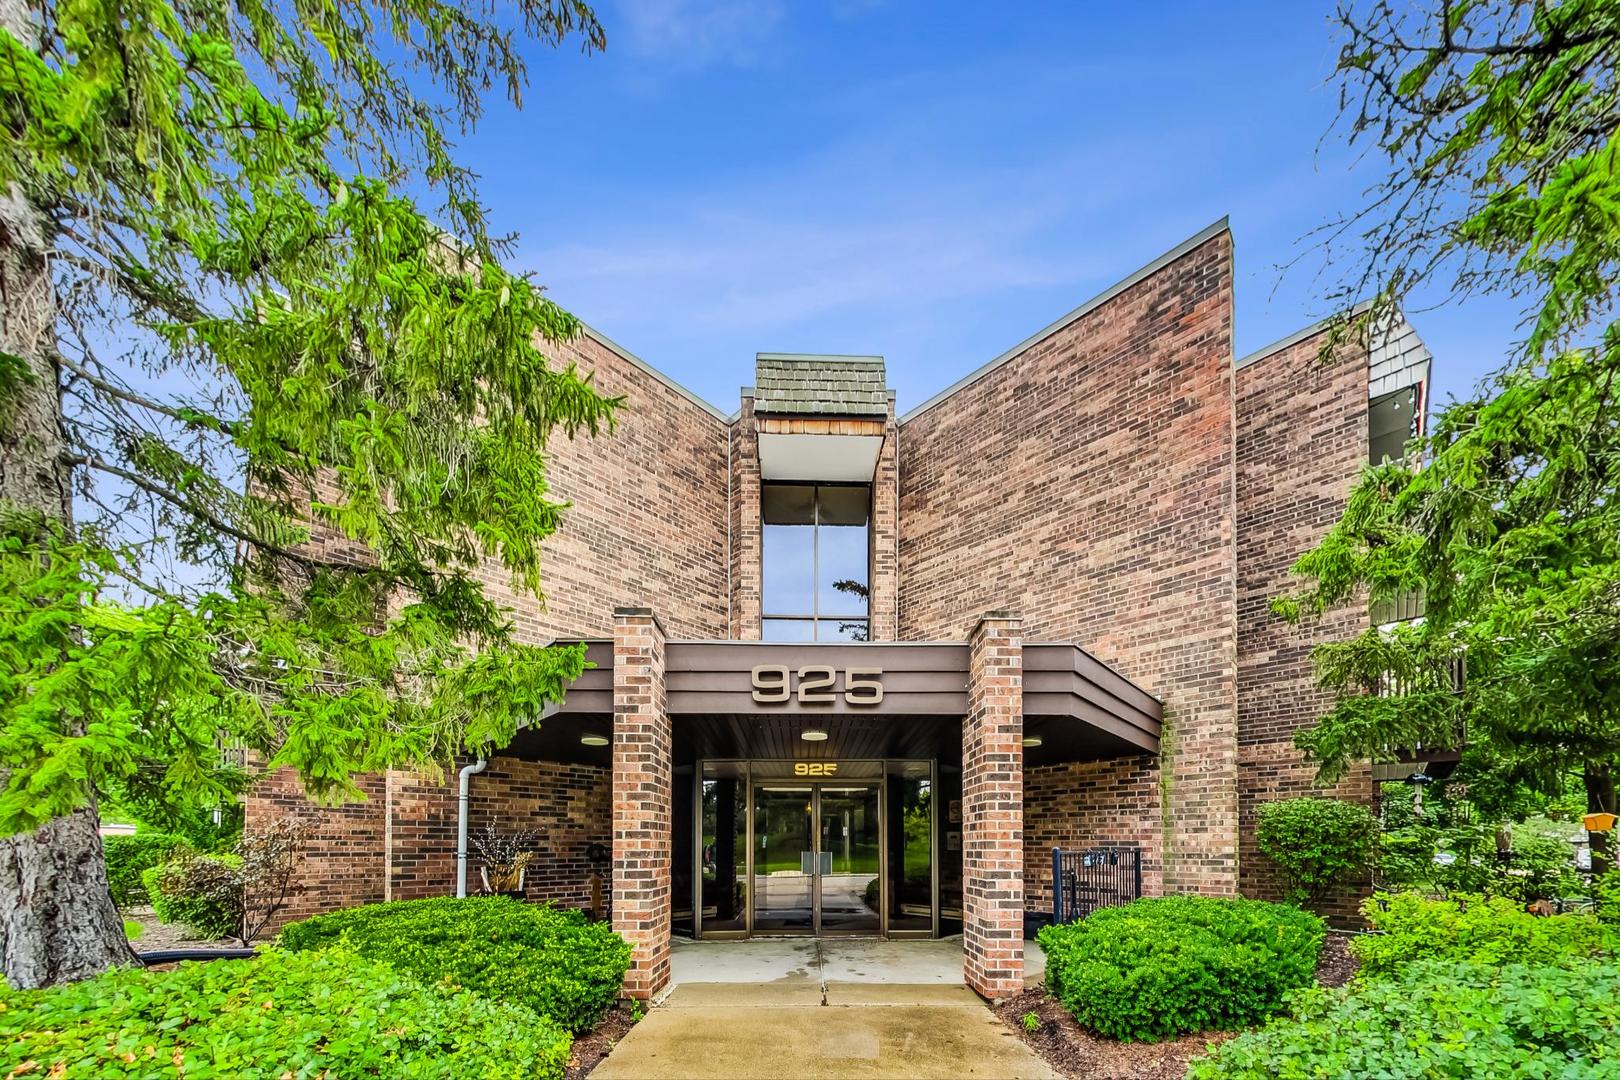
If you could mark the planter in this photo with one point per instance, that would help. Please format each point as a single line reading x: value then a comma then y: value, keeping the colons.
x: 516, y: 894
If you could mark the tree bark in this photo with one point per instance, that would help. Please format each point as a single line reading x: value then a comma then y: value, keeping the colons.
x: 1600, y: 799
x: 57, y: 918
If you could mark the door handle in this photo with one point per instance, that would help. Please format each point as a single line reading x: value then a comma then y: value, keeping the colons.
x: 807, y: 863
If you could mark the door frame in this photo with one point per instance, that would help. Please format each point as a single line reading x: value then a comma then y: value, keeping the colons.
x: 761, y: 770
x: 878, y: 787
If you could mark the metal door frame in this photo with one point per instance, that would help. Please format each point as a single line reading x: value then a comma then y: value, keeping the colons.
x: 879, y: 787
x: 751, y: 769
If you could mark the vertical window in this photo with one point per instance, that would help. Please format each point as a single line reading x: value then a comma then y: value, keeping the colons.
x: 817, y: 554
x: 1391, y: 423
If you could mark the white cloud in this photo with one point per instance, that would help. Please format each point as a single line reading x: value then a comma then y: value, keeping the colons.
x: 696, y: 33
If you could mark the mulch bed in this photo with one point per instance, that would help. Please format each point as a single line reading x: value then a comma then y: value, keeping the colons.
x: 594, y: 1045
x: 1075, y: 1052
x: 157, y: 936
x: 1337, y: 966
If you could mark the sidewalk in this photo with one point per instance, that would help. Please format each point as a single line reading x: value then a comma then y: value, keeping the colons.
x: 799, y: 1008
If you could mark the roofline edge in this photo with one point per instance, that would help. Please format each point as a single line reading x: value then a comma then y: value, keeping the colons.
x: 625, y: 354
x: 1359, y: 307
x: 1202, y: 236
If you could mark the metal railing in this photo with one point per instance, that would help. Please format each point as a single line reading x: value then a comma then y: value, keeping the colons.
x: 1083, y: 881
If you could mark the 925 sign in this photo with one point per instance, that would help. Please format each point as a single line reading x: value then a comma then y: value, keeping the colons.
x: 774, y: 684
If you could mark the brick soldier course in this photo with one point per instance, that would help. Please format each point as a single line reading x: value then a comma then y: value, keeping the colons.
x: 1117, y: 485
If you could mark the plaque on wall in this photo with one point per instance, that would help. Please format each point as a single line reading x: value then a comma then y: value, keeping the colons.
x: 955, y: 812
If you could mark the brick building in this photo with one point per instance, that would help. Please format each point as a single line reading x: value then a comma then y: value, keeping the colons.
x: 859, y: 672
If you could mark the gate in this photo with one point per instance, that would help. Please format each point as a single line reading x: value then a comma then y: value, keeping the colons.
x: 1083, y: 881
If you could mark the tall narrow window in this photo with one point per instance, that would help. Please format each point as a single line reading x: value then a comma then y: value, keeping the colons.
x: 817, y: 560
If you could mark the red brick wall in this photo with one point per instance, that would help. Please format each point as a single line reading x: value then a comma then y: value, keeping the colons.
x: 1088, y: 485
x: 1302, y: 438
x: 344, y: 862
x: 400, y: 844
x: 648, y: 520
x: 567, y: 807
x: 1084, y: 804
x: 647, y: 524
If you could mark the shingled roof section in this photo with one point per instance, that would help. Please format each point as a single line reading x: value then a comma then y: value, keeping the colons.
x: 820, y: 385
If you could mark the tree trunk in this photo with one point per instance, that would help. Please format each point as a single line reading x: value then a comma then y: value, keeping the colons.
x: 57, y: 919
x: 1600, y: 799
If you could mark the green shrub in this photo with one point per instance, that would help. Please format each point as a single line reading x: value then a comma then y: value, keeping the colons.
x: 1606, y: 897
x: 128, y: 857
x: 1541, y: 866
x: 314, y: 1014
x: 555, y: 962
x: 182, y: 891
x: 1476, y: 929
x: 1440, y: 1019
x: 1318, y: 844
x: 1154, y: 969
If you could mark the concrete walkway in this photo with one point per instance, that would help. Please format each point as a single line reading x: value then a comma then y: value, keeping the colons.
x: 798, y: 1007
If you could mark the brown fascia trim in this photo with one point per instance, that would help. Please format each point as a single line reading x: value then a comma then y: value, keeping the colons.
x: 1360, y: 307
x: 1198, y: 239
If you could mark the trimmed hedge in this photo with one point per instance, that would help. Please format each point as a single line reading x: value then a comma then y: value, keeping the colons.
x: 1470, y: 928
x: 313, y: 1014
x: 1154, y: 969
x: 556, y: 962
x: 128, y: 857
x: 176, y: 897
x: 1439, y: 1019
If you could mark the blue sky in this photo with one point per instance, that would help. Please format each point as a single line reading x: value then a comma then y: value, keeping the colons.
x: 931, y: 182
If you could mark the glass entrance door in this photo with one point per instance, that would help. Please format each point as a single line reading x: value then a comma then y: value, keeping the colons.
x: 817, y: 859
x: 784, y: 859
x: 850, y: 867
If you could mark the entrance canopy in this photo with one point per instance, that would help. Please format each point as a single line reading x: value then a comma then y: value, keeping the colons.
x: 873, y: 700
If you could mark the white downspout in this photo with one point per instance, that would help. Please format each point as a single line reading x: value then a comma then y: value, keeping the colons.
x: 467, y: 772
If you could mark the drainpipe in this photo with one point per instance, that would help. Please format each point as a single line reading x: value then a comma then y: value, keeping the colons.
x: 467, y: 772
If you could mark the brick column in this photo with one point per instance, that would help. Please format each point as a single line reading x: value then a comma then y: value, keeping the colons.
x: 993, y: 808
x: 747, y: 543
x: 884, y: 596
x: 642, y: 751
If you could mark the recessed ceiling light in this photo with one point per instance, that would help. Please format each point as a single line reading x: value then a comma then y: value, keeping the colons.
x: 813, y: 734
x: 1032, y: 740
x: 595, y: 740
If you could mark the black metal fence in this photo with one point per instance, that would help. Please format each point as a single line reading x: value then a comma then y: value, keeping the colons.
x: 1083, y: 881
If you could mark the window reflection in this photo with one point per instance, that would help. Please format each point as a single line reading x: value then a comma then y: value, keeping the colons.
x: 725, y: 846
x: 816, y: 561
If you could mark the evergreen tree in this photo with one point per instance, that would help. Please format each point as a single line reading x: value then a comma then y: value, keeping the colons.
x: 1501, y: 126
x: 262, y: 421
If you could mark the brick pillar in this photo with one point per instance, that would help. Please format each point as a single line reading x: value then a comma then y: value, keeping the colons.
x: 993, y: 808
x: 747, y: 543
x: 642, y: 750
x: 883, y: 601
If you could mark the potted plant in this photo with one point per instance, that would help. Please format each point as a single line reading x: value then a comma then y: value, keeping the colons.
x: 505, y: 860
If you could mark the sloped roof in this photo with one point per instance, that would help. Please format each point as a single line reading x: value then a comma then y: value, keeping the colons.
x: 820, y: 385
